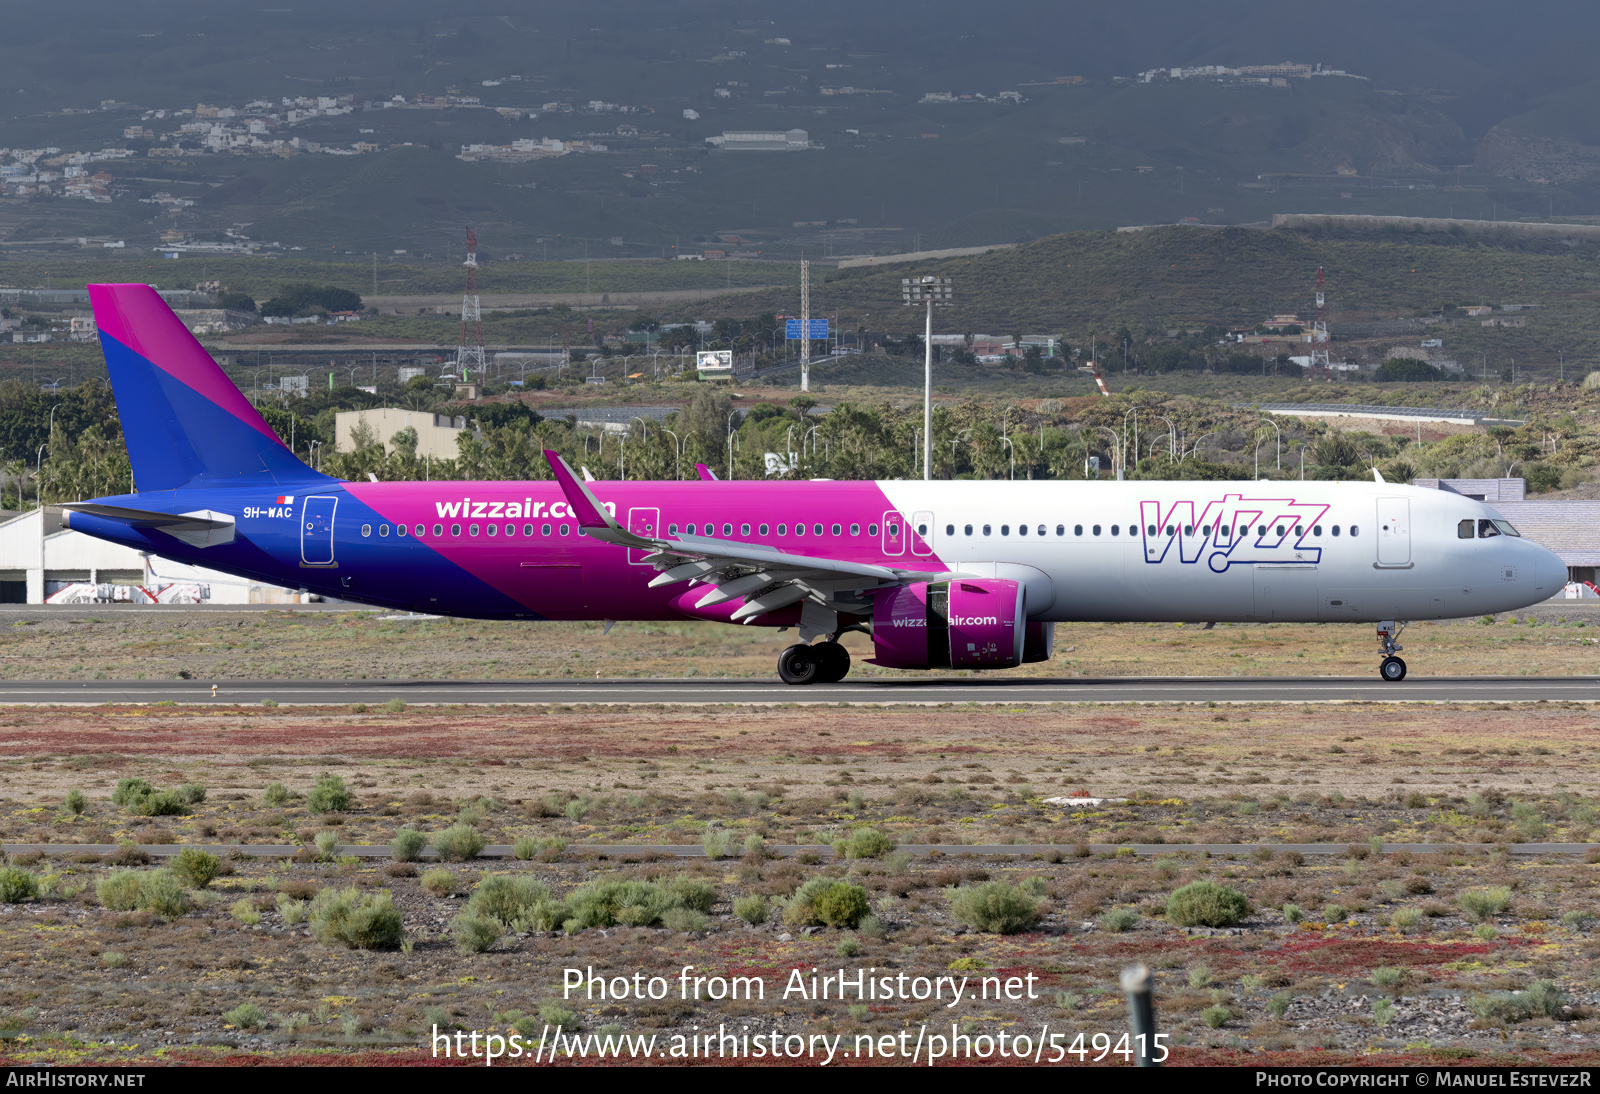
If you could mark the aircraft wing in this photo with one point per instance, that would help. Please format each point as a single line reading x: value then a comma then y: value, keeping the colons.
x: 765, y: 578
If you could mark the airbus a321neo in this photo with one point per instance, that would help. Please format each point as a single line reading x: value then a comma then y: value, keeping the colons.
x: 938, y: 575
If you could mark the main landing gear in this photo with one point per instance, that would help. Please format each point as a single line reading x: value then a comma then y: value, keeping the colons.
x: 1392, y: 669
x: 825, y: 663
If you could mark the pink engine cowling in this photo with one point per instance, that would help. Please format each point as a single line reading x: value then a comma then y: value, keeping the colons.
x: 958, y: 624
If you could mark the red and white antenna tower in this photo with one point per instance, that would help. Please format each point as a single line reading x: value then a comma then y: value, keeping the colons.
x: 1319, y: 335
x: 469, y: 355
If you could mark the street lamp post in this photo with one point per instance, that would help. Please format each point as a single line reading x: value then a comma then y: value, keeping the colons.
x: 644, y: 427
x: 928, y: 291
x: 953, y: 444
x: 1117, y: 442
x: 677, y: 453
x: 1277, y: 446
x: 1172, y: 437
x: 729, y: 425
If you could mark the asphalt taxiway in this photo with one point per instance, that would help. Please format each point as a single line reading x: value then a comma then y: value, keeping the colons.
x: 703, y: 691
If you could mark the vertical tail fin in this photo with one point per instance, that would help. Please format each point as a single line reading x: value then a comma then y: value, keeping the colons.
x: 185, y: 422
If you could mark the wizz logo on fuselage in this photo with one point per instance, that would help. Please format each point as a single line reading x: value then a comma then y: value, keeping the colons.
x: 1235, y: 531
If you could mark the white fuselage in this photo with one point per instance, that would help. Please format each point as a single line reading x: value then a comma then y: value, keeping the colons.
x: 1231, y: 551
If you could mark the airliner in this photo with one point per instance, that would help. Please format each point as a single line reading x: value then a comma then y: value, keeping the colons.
x: 939, y: 575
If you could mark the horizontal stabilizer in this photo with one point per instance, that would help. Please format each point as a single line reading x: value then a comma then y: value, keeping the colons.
x: 202, y: 528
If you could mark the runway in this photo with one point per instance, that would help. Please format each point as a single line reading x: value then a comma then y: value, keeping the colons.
x: 926, y: 691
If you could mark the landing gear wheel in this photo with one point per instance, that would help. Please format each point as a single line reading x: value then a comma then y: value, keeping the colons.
x: 833, y: 662
x: 1393, y: 670
x: 798, y: 665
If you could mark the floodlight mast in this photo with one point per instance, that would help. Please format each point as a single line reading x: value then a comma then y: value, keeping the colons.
x: 928, y: 291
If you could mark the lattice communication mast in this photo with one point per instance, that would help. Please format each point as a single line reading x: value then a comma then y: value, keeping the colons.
x: 805, y: 325
x: 470, y: 358
x: 1319, y: 335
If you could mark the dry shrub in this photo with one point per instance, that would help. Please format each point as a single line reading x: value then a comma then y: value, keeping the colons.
x: 128, y: 854
x: 360, y: 921
x: 297, y: 888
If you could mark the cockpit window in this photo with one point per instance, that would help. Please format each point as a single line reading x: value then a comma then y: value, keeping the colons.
x: 1486, y: 528
x: 1464, y: 529
x: 1505, y: 526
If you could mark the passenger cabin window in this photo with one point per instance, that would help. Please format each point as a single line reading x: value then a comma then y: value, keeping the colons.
x: 422, y: 530
x: 438, y: 529
x: 1114, y: 528
x: 1464, y: 529
x: 1077, y: 529
x: 969, y: 529
x: 383, y: 531
x: 1355, y: 531
x: 816, y: 529
x: 527, y: 529
x: 985, y: 529
x: 455, y: 529
x: 949, y: 529
x: 1096, y: 529
x: 492, y: 529
x: 1061, y: 530
x: 763, y: 529
x: 366, y: 530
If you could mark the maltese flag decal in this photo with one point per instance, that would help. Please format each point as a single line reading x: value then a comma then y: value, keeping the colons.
x: 286, y: 499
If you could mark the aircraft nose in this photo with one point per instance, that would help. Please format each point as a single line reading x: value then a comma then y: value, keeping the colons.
x: 1550, y: 573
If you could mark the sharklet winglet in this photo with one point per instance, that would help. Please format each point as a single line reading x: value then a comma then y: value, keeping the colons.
x: 592, y: 517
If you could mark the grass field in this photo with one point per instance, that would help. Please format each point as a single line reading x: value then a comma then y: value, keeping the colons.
x: 256, y: 645
x: 1455, y: 957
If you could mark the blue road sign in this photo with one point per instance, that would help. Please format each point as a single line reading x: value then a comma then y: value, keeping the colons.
x: 819, y: 330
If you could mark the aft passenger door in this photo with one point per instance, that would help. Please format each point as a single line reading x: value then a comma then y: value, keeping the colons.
x: 316, y: 530
x: 1394, y: 533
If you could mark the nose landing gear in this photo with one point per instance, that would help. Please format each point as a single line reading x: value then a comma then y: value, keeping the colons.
x: 1392, y: 669
x: 825, y: 663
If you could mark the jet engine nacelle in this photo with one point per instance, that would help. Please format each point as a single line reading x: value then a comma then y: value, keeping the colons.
x: 977, y: 624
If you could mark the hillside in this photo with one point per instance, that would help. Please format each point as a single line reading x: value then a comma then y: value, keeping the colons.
x: 1448, y: 118
x: 1150, y: 281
